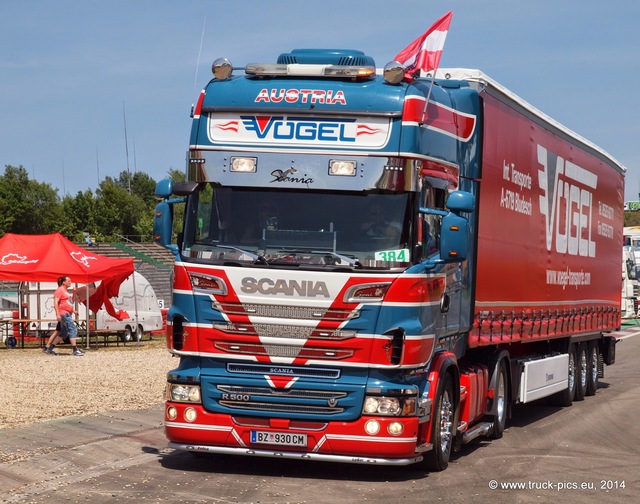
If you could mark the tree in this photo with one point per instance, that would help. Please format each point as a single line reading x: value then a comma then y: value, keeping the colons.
x: 143, y: 186
x: 117, y: 212
x: 632, y: 218
x: 79, y: 213
x: 121, y: 207
x: 27, y: 206
x: 140, y: 183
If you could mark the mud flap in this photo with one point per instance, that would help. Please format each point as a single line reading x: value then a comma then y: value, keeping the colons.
x: 609, y: 350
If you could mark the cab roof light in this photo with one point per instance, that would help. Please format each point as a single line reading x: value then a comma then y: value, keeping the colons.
x: 310, y: 70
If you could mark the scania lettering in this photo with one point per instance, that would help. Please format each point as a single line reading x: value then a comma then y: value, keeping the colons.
x: 371, y: 268
x: 274, y: 287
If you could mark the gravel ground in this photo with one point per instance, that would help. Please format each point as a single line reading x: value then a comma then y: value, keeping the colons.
x: 36, y: 387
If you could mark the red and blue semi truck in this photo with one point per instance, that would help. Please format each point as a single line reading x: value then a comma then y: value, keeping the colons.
x: 375, y: 269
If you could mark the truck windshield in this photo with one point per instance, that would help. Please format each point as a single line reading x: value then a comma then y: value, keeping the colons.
x: 356, y: 229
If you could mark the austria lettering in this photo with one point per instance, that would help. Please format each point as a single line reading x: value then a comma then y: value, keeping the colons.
x: 310, y: 96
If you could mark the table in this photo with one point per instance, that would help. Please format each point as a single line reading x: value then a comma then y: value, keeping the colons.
x: 8, y: 326
x: 33, y: 326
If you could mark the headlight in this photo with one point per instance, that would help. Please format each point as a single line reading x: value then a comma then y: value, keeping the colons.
x: 244, y: 164
x: 342, y: 168
x: 371, y: 405
x: 183, y: 393
x: 389, y: 406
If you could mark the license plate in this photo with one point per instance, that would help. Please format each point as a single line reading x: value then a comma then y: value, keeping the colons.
x: 279, y: 438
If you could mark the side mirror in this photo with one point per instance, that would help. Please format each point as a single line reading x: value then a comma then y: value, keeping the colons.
x: 454, y: 232
x: 461, y: 201
x: 454, y: 229
x: 184, y: 188
x: 454, y: 241
x: 164, y: 189
x: 163, y: 224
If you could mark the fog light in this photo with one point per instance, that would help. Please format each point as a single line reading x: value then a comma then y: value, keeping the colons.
x: 395, y: 428
x: 172, y: 413
x: 190, y: 415
x: 372, y: 427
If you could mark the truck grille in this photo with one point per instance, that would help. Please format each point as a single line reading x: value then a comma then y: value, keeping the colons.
x: 278, y: 370
x: 285, y: 312
x: 329, y: 405
x: 291, y: 351
x: 283, y: 408
x: 285, y: 331
x: 291, y: 393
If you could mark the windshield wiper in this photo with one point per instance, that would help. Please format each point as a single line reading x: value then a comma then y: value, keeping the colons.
x: 257, y: 258
x: 350, y: 261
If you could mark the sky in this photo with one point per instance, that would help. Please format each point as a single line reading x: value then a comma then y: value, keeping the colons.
x: 89, y: 89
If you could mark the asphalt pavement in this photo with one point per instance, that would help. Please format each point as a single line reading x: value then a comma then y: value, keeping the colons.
x: 581, y: 454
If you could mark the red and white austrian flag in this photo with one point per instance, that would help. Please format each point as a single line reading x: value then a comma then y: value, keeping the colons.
x: 424, y: 53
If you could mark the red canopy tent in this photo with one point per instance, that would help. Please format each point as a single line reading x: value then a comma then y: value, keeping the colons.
x: 45, y: 258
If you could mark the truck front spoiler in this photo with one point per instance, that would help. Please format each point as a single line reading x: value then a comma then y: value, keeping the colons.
x: 319, y: 457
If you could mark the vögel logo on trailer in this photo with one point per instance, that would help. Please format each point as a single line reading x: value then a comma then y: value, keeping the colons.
x: 567, y: 204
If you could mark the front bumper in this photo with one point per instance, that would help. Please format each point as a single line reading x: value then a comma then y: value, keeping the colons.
x: 346, y: 442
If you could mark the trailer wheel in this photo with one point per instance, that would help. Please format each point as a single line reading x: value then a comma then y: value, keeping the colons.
x: 127, y: 335
x: 442, y: 427
x: 139, y: 333
x: 593, y: 359
x: 501, y: 399
x: 565, y: 397
x: 582, y: 372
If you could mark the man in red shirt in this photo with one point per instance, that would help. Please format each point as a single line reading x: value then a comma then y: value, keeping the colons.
x: 63, y: 305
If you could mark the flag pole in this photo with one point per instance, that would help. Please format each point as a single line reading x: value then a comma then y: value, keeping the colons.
x: 426, y: 104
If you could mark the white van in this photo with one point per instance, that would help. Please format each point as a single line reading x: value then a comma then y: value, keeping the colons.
x: 145, y: 316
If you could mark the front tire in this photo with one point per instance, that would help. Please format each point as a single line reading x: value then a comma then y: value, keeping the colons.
x: 442, y: 427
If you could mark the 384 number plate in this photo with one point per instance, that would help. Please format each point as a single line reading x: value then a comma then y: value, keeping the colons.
x: 279, y: 438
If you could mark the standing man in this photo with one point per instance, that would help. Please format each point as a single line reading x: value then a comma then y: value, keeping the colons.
x: 63, y: 305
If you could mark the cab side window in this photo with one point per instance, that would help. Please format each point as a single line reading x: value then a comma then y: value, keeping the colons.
x: 431, y: 197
